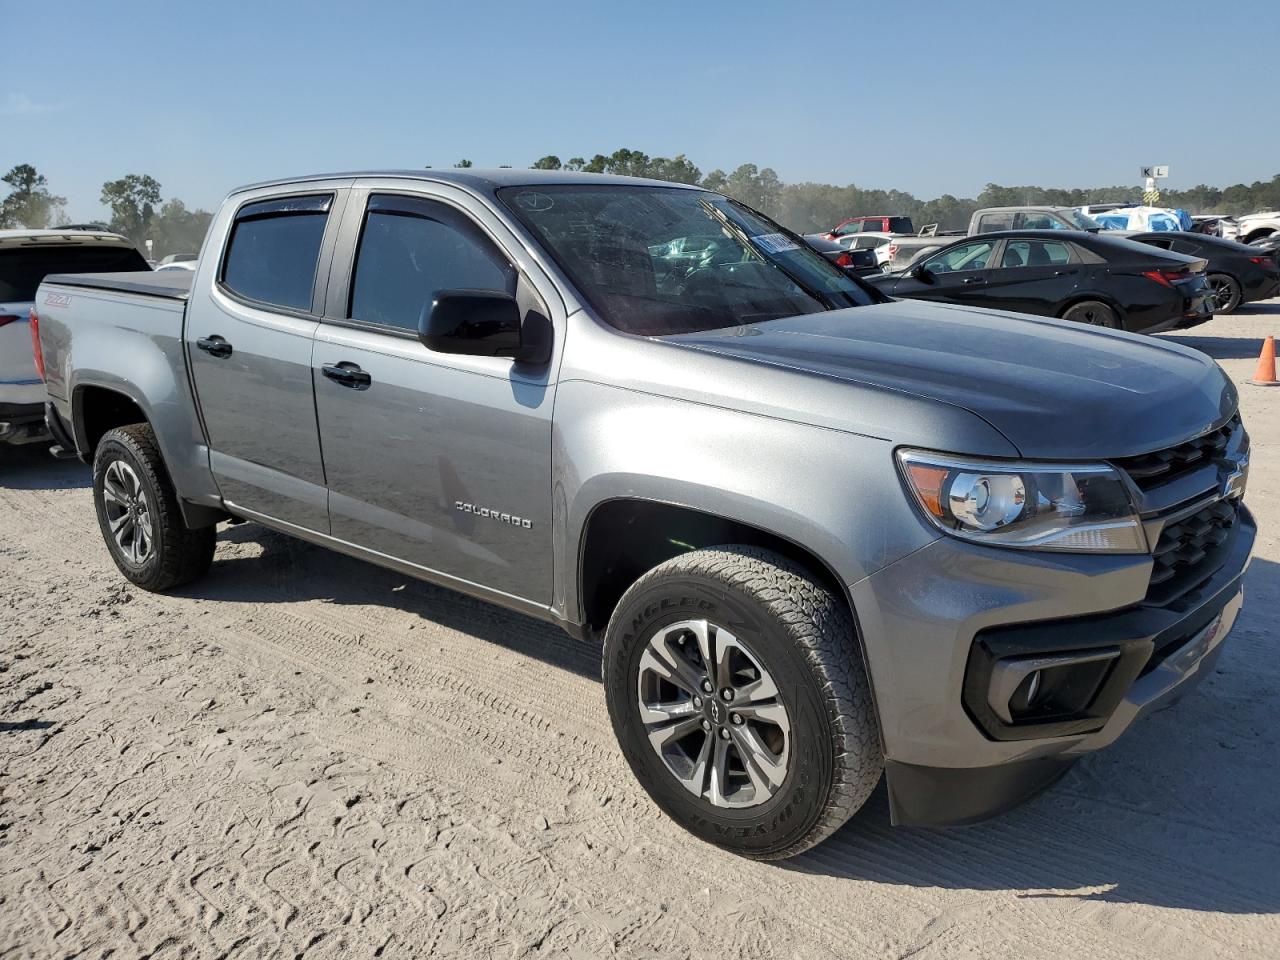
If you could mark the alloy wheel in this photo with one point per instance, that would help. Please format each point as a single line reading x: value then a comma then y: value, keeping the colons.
x: 128, y: 513
x: 713, y: 715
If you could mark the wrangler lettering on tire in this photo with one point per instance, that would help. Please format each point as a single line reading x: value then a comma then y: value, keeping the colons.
x: 736, y: 688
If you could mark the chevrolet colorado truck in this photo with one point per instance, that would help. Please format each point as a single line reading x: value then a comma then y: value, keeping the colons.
x: 824, y: 536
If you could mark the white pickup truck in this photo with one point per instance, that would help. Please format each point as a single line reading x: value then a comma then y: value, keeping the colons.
x: 26, y: 258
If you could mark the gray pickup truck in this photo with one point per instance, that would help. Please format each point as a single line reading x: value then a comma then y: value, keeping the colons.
x: 904, y: 251
x: 822, y: 534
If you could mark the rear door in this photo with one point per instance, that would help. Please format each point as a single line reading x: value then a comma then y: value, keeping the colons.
x: 252, y: 320
x: 1032, y: 276
x: 442, y: 461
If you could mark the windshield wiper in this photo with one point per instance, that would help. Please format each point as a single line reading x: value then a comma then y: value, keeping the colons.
x: 745, y: 238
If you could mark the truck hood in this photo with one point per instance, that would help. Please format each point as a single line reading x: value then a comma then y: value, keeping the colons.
x: 1054, y: 389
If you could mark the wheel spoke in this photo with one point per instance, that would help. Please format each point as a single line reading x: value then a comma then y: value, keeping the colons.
x: 696, y: 782
x: 717, y: 791
x: 772, y: 713
x: 652, y: 713
x: 765, y: 770
x: 758, y: 691
x: 726, y: 643
x: 662, y: 736
x: 667, y: 662
x: 118, y: 523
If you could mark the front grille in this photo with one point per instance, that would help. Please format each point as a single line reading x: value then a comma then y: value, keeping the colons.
x: 1150, y: 470
x: 1190, y: 551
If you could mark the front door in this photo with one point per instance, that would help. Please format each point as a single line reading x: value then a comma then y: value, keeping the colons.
x: 957, y: 274
x: 438, y: 460
x: 249, y: 337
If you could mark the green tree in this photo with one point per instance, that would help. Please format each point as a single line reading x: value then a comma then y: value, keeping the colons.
x: 29, y: 204
x: 575, y: 163
x: 463, y: 164
x: 132, y: 199
x: 175, y: 229
x: 549, y: 162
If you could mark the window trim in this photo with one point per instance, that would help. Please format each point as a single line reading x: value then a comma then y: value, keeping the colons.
x: 317, y: 287
x: 363, y: 194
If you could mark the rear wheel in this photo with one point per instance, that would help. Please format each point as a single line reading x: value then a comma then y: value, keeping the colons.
x: 736, y: 690
x: 1093, y: 312
x: 139, y: 515
x: 1226, y: 292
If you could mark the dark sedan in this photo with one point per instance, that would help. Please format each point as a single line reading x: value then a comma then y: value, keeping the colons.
x: 1092, y: 278
x: 856, y: 263
x: 1237, y: 272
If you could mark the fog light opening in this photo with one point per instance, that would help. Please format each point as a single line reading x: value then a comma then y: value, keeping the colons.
x: 1024, y: 698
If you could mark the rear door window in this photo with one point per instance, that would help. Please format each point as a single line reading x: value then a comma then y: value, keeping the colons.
x: 1035, y: 253
x: 274, y: 249
x: 22, y: 268
x: 410, y: 249
x: 989, y: 222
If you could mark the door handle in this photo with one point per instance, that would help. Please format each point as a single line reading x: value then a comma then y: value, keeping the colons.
x: 347, y: 374
x: 1064, y: 273
x: 972, y: 280
x: 214, y: 346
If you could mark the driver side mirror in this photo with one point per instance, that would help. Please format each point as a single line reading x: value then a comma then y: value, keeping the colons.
x: 478, y: 323
x: 923, y: 273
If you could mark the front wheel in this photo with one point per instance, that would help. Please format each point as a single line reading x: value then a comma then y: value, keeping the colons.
x: 1226, y: 292
x: 1093, y: 312
x: 139, y: 515
x: 737, y: 692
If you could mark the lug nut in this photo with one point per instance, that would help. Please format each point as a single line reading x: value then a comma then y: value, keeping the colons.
x: 737, y: 719
x: 724, y: 734
x: 697, y: 703
x: 726, y: 694
x: 706, y: 686
x: 706, y: 725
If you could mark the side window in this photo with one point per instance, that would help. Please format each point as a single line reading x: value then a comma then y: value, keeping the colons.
x: 1035, y: 253
x: 1162, y: 244
x: 990, y: 222
x: 411, y: 248
x: 967, y: 256
x: 274, y: 248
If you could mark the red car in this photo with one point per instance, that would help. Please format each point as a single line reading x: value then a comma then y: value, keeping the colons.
x: 872, y: 225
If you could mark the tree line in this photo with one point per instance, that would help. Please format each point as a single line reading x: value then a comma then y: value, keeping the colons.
x: 138, y: 212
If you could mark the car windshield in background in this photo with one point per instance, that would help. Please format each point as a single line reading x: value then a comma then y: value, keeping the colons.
x: 654, y: 260
x: 22, y: 268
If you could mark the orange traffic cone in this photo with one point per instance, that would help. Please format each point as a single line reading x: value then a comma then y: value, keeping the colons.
x: 1265, y: 375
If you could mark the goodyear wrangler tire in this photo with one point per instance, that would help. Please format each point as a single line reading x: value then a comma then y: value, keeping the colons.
x: 737, y: 691
x: 139, y: 515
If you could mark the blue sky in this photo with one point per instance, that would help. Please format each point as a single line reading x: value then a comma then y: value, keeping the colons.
x: 924, y: 96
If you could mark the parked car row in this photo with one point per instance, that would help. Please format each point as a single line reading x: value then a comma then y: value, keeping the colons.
x: 822, y: 535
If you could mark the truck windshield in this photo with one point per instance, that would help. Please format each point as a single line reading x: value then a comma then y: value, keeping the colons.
x: 655, y: 260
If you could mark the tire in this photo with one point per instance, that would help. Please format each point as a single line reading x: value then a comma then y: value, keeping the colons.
x: 153, y: 547
x: 1226, y: 292
x: 815, y: 742
x: 1093, y: 312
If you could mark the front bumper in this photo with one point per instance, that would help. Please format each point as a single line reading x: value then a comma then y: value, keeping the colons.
x: 923, y: 618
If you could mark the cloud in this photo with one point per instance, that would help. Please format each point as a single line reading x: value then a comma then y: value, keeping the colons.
x: 19, y: 105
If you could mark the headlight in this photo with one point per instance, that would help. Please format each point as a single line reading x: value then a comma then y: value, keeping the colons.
x: 1037, y: 506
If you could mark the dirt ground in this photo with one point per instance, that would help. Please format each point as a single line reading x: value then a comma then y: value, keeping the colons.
x: 306, y: 755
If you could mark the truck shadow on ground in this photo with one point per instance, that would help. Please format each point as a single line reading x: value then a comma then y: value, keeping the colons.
x: 291, y: 570
x: 30, y: 467
x: 1180, y: 812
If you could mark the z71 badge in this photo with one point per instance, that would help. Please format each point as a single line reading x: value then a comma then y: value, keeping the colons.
x: 493, y: 514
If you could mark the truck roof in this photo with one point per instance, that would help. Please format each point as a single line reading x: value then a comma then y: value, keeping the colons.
x: 477, y: 179
x: 66, y: 236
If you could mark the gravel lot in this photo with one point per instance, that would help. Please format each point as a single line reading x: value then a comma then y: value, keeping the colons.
x: 304, y: 754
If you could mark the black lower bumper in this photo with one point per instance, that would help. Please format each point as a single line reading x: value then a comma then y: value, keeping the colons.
x: 1162, y: 652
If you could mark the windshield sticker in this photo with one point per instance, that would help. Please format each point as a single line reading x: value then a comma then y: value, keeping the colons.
x: 775, y: 243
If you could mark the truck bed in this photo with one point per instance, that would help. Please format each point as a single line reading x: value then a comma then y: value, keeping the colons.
x: 169, y: 284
